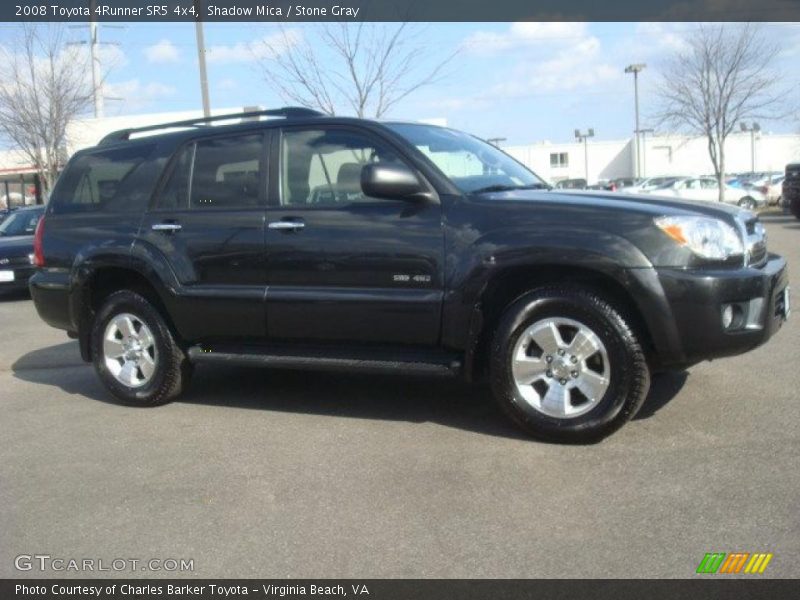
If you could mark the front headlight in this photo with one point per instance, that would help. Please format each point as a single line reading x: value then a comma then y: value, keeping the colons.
x: 705, y: 236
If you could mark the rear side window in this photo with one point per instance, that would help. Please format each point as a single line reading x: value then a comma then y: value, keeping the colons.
x: 103, y: 181
x: 216, y: 173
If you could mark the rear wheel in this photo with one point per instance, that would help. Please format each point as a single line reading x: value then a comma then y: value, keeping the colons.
x: 134, y: 352
x: 566, y: 366
x: 748, y: 203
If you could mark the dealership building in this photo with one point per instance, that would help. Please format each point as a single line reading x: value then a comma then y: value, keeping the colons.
x: 593, y: 160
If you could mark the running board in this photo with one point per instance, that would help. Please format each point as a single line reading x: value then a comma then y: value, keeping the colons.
x: 402, y: 362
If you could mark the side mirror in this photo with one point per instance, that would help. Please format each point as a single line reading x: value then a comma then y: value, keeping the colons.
x: 396, y: 182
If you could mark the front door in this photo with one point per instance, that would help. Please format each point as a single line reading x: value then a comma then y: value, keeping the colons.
x: 208, y: 224
x: 342, y: 266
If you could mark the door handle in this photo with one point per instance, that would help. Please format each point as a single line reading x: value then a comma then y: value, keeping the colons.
x: 287, y: 225
x: 166, y: 227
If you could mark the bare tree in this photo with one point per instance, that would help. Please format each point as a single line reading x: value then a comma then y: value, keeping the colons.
x: 44, y: 85
x: 367, y: 67
x: 722, y: 78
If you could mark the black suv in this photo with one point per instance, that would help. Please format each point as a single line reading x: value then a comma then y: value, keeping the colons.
x: 791, y: 189
x: 313, y: 242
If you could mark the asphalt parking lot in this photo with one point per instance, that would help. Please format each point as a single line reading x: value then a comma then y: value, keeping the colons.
x: 286, y: 474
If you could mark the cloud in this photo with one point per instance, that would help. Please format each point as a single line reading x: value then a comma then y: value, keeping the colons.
x: 134, y: 94
x: 227, y: 84
x: 652, y: 39
x: 163, y: 51
x: 557, y: 57
x: 577, y: 67
x: 521, y: 35
x: 264, y: 47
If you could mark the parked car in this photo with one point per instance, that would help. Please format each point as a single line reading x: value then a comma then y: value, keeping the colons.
x: 707, y: 188
x: 791, y: 189
x: 571, y: 184
x: 16, y: 247
x: 625, y: 182
x: 316, y: 242
x: 772, y: 189
x: 608, y: 186
x: 649, y: 184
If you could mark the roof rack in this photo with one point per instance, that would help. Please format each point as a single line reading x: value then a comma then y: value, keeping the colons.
x: 287, y: 112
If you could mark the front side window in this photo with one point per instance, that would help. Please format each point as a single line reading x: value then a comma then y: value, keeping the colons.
x: 471, y: 164
x: 323, y: 167
x: 708, y: 184
x: 692, y: 184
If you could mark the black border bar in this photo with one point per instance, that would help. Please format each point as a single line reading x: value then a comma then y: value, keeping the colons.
x: 400, y: 10
x: 712, y: 587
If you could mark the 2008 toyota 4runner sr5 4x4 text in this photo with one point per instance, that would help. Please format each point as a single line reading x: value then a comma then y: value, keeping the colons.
x: 312, y: 242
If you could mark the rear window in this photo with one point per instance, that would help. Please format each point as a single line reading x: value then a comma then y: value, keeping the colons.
x: 104, y: 180
x: 22, y: 222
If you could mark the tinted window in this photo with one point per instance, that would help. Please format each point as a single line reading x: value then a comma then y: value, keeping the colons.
x: 226, y: 172
x: 321, y: 167
x: 101, y: 181
x: 175, y: 194
x: 215, y: 173
x: 22, y: 222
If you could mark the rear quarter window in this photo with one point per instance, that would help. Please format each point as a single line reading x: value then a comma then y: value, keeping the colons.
x: 113, y: 180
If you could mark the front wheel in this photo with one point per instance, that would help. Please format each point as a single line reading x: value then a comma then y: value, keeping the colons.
x: 134, y: 352
x: 566, y: 366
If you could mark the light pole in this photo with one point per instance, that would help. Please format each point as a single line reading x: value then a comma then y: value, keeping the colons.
x: 495, y: 141
x: 636, y: 69
x: 753, y: 130
x: 584, y: 137
x: 201, y: 58
x: 644, y: 133
x: 94, y: 44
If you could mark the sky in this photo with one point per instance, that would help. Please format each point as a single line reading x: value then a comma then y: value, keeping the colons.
x: 525, y: 82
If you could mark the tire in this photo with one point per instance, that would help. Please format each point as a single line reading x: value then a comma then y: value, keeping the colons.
x: 157, y: 379
x: 619, y: 362
x: 748, y: 203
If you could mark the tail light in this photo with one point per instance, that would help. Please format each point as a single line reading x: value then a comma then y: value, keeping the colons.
x: 38, y: 252
x: 764, y: 189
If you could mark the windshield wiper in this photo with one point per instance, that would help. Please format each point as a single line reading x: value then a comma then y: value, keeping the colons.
x: 499, y: 187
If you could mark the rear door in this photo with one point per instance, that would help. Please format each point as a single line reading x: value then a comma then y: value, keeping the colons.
x: 343, y: 266
x: 207, y: 223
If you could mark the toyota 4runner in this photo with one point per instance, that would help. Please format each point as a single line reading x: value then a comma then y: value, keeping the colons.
x: 313, y: 242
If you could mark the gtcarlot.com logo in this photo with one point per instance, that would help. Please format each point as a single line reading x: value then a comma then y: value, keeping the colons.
x: 45, y: 562
x: 734, y: 562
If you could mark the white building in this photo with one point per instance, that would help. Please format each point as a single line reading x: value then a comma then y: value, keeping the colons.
x: 659, y: 155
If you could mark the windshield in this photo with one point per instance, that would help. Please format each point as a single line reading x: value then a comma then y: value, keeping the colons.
x: 20, y: 223
x: 471, y: 164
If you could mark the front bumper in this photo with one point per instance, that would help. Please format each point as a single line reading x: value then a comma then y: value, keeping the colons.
x: 696, y: 298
